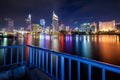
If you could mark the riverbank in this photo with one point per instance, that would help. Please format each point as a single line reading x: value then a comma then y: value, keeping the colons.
x: 7, y: 36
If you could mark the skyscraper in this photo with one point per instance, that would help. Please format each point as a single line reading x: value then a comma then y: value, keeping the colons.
x: 28, y: 22
x: 61, y: 27
x: 9, y: 24
x: 54, y: 22
x: 42, y: 23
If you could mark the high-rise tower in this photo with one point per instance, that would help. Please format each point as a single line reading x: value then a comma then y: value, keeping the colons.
x: 42, y: 23
x: 55, y: 22
x: 9, y: 24
x: 28, y: 21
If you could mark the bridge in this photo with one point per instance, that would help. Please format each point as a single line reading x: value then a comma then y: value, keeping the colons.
x: 51, y: 65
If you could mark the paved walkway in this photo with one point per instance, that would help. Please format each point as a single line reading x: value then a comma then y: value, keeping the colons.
x: 38, y: 75
x: 22, y: 73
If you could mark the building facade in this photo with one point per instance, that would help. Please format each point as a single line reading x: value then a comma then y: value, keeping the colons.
x: 55, y: 22
x: 42, y: 23
x: 35, y: 27
x: 61, y: 27
x: 67, y: 28
x: 93, y: 26
x: 28, y: 22
x: 9, y: 24
x: 107, y: 26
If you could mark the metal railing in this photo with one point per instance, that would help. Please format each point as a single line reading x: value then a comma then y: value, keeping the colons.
x: 44, y: 59
x: 42, y: 56
x: 12, y: 55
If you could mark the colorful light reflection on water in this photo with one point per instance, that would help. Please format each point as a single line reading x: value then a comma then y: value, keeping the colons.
x: 104, y: 48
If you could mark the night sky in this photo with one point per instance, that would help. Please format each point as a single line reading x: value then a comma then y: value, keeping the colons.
x: 70, y: 12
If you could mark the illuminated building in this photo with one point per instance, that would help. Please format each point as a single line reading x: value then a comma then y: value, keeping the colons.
x: 9, y: 24
x: 93, y: 27
x: 54, y: 22
x: 107, y: 26
x: 89, y: 27
x: 76, y: 29
x: 85, y: 27
x: 42, y: 23
x: 67, y: 28
x: 40, y: 28
x: 35, y: 27
x: 28, y: 22
x: 61, y: 27
x: 118, y: 26
x: 47, y: 31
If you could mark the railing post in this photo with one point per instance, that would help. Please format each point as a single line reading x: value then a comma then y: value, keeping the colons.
x: 22, y: 54
x: 11, y: 56
x: 103, y: 74
x: 43, y: 60
x: 17, y: 55
x: 89, y: 71
x: 56, y: 66
x: 31, y: 56
x: 51, y: 63
x: 46, y: 62
x: 69, y: 69
x: 36, y: 57
x: 4, y: 57
x: 62, y: 68
x: 39, y: 58
x: 78, y: 70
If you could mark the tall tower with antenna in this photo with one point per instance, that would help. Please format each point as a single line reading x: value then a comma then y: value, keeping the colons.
x: 28, y: 22
x: 54, y: 22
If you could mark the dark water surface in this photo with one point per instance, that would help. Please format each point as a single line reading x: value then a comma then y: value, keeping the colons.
x: 105, y: 48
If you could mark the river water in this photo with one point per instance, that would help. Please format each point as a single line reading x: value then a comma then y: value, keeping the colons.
x: 105, y: 48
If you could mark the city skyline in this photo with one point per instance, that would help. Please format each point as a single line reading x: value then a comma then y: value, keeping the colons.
x: 70, y: 12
